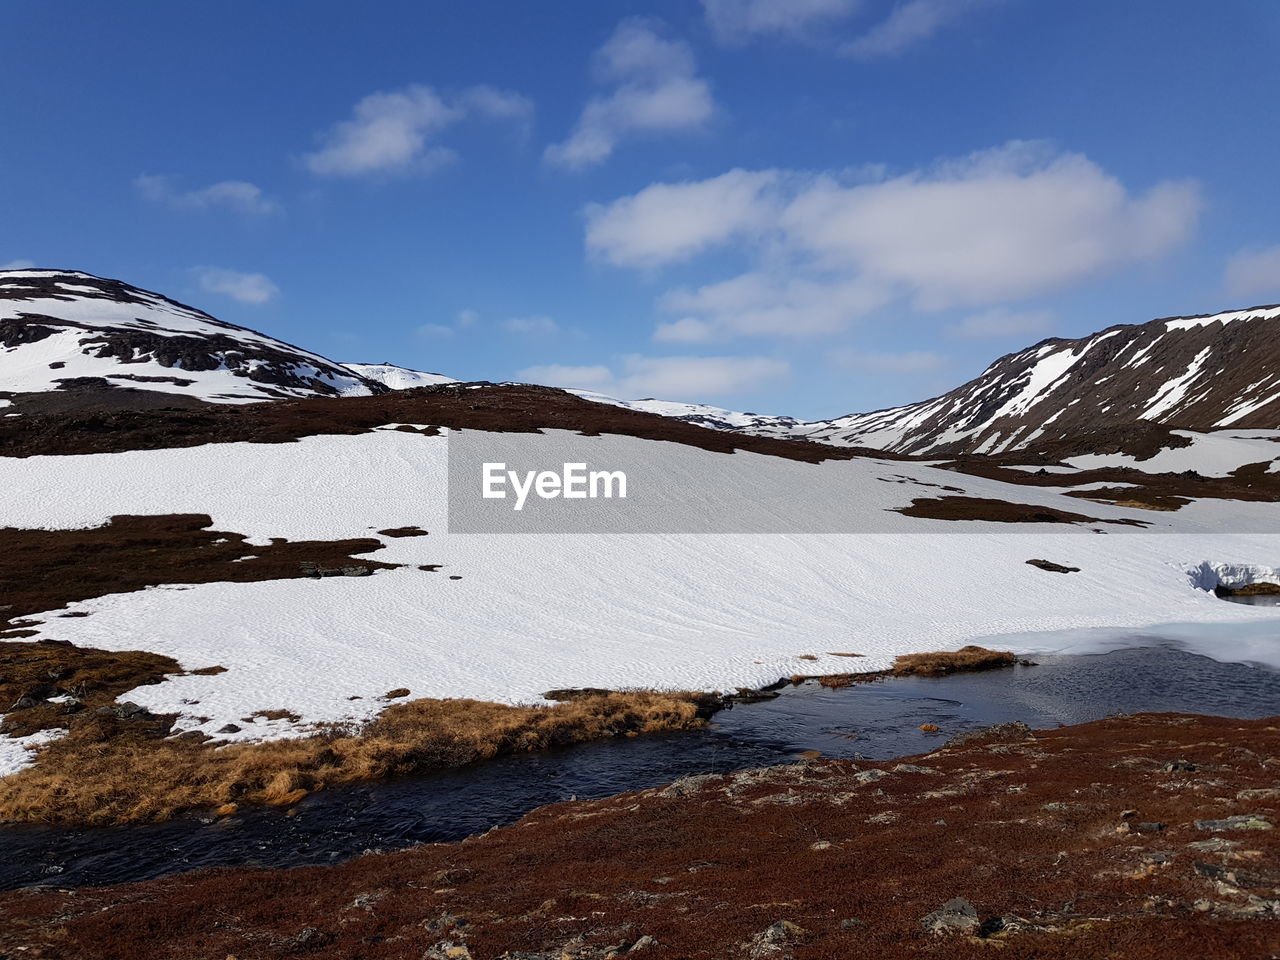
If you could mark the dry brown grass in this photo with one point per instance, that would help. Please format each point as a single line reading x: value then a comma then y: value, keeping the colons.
x: 103, y: 772
x: 940, y: 664
x: 836, y: 681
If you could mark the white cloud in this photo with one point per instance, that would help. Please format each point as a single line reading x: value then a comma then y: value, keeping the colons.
x: 656, y: 90
x: 391, y: 131
x: 994, y: 227
x: 1254, y: 273
x: 674, y: 221
x: 18, y: 265
x: 904, y: 363
x: 908, y: 24
x: 245, y: 287
x: 533, y: 326
x: 998, y: 225
x: 434, y: 330
x: 1002, y: 322
x: 736, y: 21
x: 671, y: 378
x: 466, y: 318
x: 774, y: 304
x: 238, y: 195
x: 684, y: 330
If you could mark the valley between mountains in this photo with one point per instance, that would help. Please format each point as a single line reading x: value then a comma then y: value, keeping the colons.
x: 228, y: 578
x: 181, y: 486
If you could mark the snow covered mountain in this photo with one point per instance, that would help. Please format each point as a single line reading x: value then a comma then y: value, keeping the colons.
x: 397, y: 378
x: 1194, y: 373
x: 702, y: 415
x: 65, y: 330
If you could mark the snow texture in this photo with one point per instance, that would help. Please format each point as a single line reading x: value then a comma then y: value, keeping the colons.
x: 532, y: 613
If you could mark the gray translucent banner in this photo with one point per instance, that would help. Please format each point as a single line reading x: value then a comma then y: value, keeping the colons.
x: 559, y: 482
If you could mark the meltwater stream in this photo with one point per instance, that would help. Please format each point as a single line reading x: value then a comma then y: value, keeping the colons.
x: 877, y: 720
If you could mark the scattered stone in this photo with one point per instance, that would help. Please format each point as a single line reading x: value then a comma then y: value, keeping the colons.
x: 1178, y: 766
x: 1158, y: 858
x: 930, y: 727
x: 447, y: 950
x: 913, y: 768
x: 1148, y: 826
x: 1216, y: 845
x: 229, y: 728
x: 851, y: 923
x: 1260, y: 793
x: 869, y: 776
x: 820, y: 845
x: 396, y: 694
x: 687, y: 785
x: 1245, y: 821
x: 772, y: 941
x: 954, y: 916
x: 1058, y: 806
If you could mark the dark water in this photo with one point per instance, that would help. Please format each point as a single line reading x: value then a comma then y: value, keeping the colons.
x: 877, y: 720
x: 1255, y: 600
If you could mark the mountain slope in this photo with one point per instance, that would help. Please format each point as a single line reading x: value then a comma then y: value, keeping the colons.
x: 702, y: 415
x: 64, y: 330
x: 1197, y: 373
x: 397, y: 378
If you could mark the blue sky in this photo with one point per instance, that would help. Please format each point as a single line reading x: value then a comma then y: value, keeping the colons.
x: 803, y: 206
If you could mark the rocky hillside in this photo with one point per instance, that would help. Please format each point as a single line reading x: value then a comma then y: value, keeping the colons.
x: 1195, y: 373
x: 63, y: 331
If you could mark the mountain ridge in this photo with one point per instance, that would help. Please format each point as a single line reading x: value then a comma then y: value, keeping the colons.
x: 66, y: 330
x: 67, y: 334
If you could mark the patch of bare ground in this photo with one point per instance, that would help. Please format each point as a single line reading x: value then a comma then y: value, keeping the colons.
x: 997, y: 511
x: 1050, y: 567
x: 1135, y: 838
x: 403, y: 532
x: 1116, y: 498
x: 513, y: 408
x: 110, y: 769
x: 43, y: 570
x: 1130, y: 486
x: 82, y: 680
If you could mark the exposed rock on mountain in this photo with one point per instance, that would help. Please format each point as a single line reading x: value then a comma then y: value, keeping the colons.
x: 1195, y: 373
x: 70, y: 331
